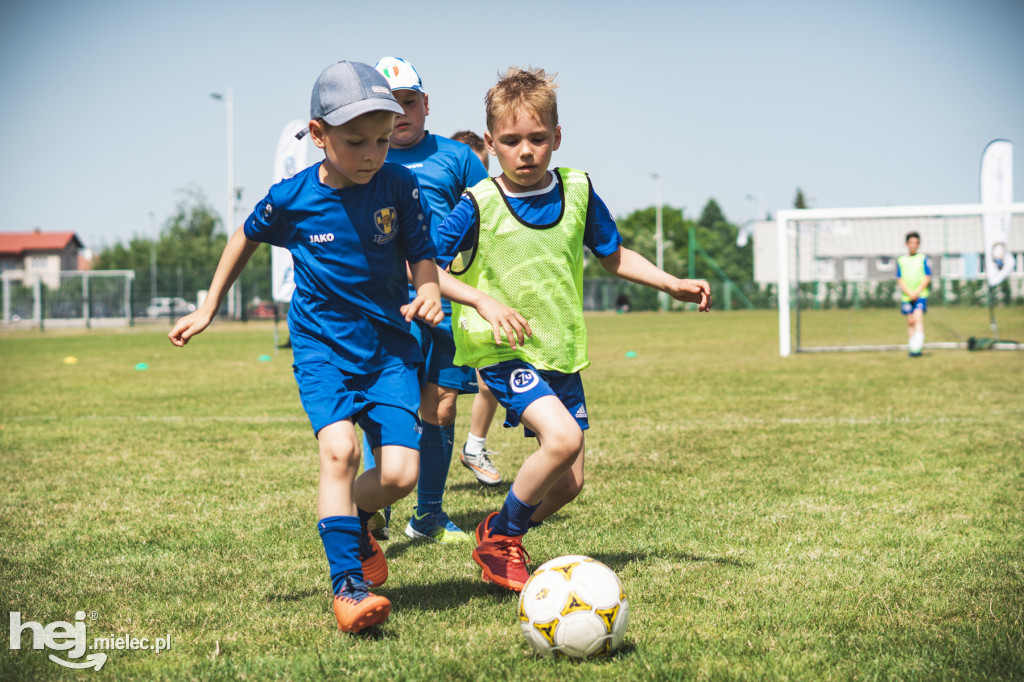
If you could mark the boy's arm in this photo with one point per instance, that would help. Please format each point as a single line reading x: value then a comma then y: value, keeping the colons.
x: 501, y: 317
x: 630, y: 265
x: 427, y: 304
x: 232, y: 260
x: 924, y: 285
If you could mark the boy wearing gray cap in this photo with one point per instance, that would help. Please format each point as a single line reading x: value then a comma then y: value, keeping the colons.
x: 351, y: 223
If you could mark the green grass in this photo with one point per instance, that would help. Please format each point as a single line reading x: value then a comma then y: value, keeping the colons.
x: 841, y: 516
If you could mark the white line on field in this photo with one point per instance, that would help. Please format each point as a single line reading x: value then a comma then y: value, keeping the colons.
x: 160, y: 418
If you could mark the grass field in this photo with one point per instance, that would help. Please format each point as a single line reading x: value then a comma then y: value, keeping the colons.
x: 842, y: 516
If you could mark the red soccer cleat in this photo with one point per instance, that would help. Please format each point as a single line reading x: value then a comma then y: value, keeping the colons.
x: 501, y: 557
x: 375, y: 566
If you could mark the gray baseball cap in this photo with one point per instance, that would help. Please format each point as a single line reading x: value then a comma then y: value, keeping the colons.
x: 349, y: 89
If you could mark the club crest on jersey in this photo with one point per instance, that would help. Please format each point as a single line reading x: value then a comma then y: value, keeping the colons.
x: 386, y: 221
x: 522, y: 380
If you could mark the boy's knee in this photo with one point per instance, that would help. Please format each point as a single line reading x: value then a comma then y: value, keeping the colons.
x: 400, y: 483
x: 566, y: 445
x: 439, y: 405
x: 339, y: 454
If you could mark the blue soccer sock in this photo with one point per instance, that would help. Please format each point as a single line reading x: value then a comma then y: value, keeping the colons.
x: 514, y: 517
x: 436, y: 444
x: 368, y: 461
x: 364, y: 516
x: 340, y: 535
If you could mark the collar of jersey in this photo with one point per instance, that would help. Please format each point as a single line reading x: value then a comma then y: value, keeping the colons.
x: 537, y: 192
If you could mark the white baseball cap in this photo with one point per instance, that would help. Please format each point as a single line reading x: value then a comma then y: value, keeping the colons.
x: 401, y: 75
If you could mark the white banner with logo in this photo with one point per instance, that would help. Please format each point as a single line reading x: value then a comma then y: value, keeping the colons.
x: 997, y: 189
x: 290, y: 159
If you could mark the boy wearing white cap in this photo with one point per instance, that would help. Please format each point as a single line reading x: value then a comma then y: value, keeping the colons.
x: 351, y: 223
x: 444, y: 168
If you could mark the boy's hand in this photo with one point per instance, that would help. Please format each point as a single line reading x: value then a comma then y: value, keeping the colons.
x: 503, y: 318
x: 188, y: 326
x: 692, y: 291
x: 425, y: 308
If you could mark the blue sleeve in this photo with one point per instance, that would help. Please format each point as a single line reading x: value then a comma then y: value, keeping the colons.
x: 456, y: 233
x: 601, y: 235
x: 267, y: 224
x: 473, y: 170
x: 414, y: 221
x: 898, y: 275
x: 927, y: 266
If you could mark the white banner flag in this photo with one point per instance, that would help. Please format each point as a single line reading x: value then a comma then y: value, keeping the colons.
x: 289, y: 160
x: 997, y: 189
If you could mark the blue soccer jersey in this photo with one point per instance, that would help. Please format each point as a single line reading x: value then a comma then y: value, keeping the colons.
x: 538, y: 208
x: 444, y: 168
x: 350, y: 248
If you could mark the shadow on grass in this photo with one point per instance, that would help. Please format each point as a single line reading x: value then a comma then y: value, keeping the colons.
x: 473, y: 486
x: 446, y: 595
x: 617, y: 561
x: 298, y: 595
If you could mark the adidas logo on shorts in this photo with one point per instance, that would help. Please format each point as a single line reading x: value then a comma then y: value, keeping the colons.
x: 581, y: 413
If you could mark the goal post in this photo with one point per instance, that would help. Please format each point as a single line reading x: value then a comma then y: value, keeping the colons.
x: 836, y: 272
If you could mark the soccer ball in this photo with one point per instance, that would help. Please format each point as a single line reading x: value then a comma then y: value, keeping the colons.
x: 573, y: 606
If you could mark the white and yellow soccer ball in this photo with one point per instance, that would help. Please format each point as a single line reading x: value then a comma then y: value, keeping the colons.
x: 573, y: 606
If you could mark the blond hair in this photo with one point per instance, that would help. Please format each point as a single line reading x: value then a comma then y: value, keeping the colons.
x: 522, y: 90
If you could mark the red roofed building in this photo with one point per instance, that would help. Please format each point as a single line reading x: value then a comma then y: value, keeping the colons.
x: 37, y: 253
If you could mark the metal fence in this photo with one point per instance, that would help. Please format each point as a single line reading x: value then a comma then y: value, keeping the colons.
x: 68, y: 298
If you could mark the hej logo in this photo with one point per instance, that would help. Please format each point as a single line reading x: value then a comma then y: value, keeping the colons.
x: 59, y: 636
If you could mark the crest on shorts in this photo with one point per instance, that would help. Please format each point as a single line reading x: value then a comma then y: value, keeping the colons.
x: 522, y: 380
x: 386, y: 222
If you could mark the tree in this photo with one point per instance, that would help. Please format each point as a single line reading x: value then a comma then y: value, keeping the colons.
x: 188, y: 249
x: 713, y: 231
x: 800, y: 201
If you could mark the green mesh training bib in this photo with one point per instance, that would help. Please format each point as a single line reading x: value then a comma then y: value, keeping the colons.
x: 912, y: 273
x: 536, y: 270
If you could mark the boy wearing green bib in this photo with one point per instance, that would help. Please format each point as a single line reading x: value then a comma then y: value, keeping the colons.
x: 519, y: 238
x: 914, y: 274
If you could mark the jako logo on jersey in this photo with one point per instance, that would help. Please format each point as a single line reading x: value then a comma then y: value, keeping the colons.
x: 522, y: 380
x: 386, y: 220
x: 321, y: 238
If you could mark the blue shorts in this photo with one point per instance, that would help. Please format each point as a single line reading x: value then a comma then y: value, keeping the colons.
x: 516, y: 384
x: 383, y: 404
x: 438, y: 347
x: 908, y: 307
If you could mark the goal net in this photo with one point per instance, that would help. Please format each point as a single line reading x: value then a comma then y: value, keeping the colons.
x: 837, y: 268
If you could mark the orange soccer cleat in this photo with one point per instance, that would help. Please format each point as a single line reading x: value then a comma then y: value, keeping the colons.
x: 357, y: 609
x: 375, y: 565
x: 501, y: 557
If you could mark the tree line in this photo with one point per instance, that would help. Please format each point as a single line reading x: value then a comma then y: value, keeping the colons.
x: 191, y: 239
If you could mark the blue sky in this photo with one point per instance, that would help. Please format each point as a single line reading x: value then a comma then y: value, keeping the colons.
x: 106, y: 115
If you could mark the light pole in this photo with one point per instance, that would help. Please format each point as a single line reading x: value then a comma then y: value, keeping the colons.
x: 760, y: 206
x: 659, y: 240
x: 745, y: 231
x: 229, y: 214
x: 152, y: 258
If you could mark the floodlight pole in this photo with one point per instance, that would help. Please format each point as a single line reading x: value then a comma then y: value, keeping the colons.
x: 152, y: 258
x: 229, y: 214
x: 659, y: 239
x: 760, y: 205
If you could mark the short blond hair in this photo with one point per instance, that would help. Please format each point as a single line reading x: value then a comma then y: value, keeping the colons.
x: 522, y: 89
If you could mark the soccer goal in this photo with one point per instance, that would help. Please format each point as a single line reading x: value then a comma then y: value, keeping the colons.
x: 836, y: 272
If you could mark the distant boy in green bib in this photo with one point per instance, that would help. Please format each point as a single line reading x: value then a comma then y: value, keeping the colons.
x: 914, y: 275
x: 519, y: 238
